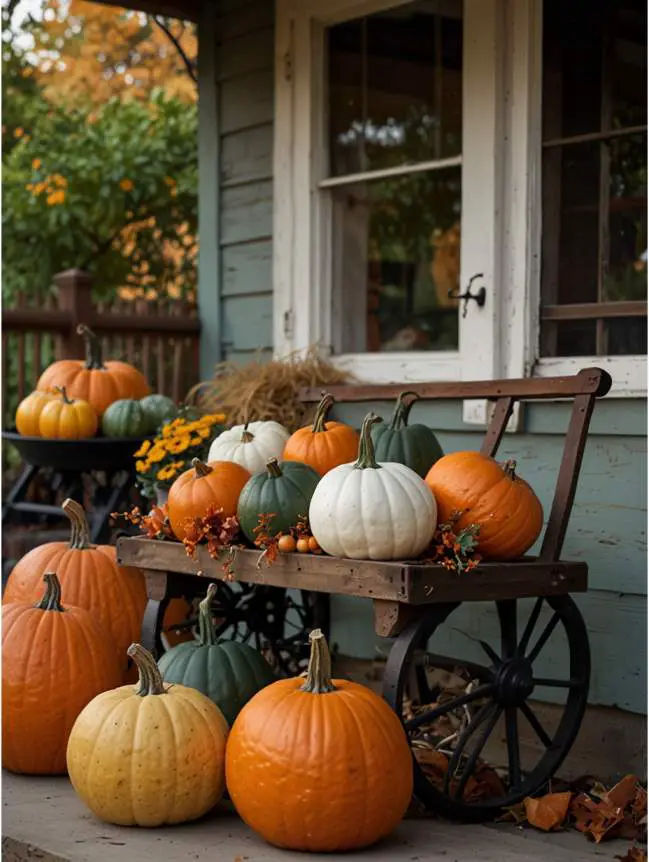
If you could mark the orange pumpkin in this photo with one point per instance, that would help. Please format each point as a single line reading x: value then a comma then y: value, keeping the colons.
x: 318, y: 764
x: 217, y: 485
x: 55, y: 660
x: 91, y: 578
x: 67, y: 419
x: 491, y: 495
x: 29, y: 412
x: 177, y: 612
x: 93, y: 380
x: 323, y: 445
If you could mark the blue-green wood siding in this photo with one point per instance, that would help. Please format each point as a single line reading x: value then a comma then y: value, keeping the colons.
x: 608, y: 526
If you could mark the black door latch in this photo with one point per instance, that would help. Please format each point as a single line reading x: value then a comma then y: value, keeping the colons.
x: 480, y: 297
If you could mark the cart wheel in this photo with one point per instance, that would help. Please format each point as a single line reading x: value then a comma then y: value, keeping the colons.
x: 450, y: 722
x: 275, y: 621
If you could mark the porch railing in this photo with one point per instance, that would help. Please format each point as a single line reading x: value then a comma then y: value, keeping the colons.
x: 160, y: 337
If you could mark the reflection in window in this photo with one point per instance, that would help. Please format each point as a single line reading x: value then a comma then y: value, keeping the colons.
x: 395, y: 100
x: 594, y: 265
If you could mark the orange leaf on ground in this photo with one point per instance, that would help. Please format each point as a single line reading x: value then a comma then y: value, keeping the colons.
x: 548, y: 812
x: 623, y: 793
x: 634, y: 854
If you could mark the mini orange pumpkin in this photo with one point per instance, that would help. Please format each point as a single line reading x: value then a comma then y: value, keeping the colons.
x: 318, y: 764
x: 29, y: 412
x: 55, y: 660
x: 491, y: 495
x: 217, y: 485
x: 67, y: 419
x: 91, y: 578
x: 323, y: 445
x: 93, y: 380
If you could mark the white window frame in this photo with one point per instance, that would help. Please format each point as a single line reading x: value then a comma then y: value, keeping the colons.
x: 501, y: 202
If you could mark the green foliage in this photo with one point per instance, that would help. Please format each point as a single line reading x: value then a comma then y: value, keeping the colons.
x: 103, y: 189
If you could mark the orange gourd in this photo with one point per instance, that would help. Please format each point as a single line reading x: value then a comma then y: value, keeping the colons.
x: 93, y: 380
x: 67, y: 419
x: 55, y: 660
x: 491, y: 495
x: 323, y: 445
x: 90, y: 577
x: 29, y: 412
x: 318, y: 764
x: 177, y: 612
x: 217, y: 485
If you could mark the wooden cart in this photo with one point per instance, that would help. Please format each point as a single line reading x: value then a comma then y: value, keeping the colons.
x: 413, y: 602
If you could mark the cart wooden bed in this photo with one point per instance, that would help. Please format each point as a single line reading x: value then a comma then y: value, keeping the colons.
x: 411, y: 601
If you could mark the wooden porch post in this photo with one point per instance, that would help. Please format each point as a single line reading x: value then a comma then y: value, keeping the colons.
x: 75, y: 296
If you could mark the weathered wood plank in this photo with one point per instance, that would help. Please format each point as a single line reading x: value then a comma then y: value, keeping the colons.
x: 247, y: 155
x: 247, y: 101
x: 247, y: 213
x: 250, y: 52
x: 247, y: 269
x: 248, y: 322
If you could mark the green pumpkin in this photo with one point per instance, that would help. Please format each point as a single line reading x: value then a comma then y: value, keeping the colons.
x: 285, y: 491
x: 227, y: 672
x: 125, y: 418
x: 413, y: 445
x: 158, y: 409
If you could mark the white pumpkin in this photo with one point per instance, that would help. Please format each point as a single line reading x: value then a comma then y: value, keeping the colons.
x: 250, y: 445
x: 372, y: 511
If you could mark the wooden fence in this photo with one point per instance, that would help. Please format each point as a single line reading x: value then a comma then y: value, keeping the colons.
x: 160, y: 337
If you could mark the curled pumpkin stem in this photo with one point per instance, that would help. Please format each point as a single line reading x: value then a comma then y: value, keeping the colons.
x: 366, y: 454
x: 80, y: 530
x: 64, y: 395
x: 320, y: 418
x: 206, y: 631
x: 94, y: 353
x: 510, y: 469
x: 318, y: 674
x: 202, y: 469
x: 150, y: 680
x: 402, y: 409
x: 247, y: 436
x: 51, y: 600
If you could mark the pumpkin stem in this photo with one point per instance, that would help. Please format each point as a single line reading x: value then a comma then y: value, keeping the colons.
x: 274, y: 470
x: 206, y: 632
x: 322, y: 412
x: 510, y: 469
x: 94, y: 353
x: 247, y: 436
x: 80, y: 533
x: 366, y: 455
x: 51, y: 601
x: 201, y: 468
x: 402, y: 410
x: 318, y: 674
x: 150, y: 680
x: 64, y: 395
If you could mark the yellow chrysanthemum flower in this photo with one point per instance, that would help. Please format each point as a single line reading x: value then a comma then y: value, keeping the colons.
x: 141, y: 466
x: 144, y: 448
x: 167, y: 472
x: 203, y: 433
x: 196, y: 441
x: 177, y: 446
x: 156, y: 454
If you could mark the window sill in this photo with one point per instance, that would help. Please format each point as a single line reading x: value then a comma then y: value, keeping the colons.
x: 401, y: 366
x: 629, y: 373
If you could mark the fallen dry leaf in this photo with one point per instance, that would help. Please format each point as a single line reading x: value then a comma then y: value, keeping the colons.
x: 623, y: 793
x: 548, y: 812
x: 634, y: 854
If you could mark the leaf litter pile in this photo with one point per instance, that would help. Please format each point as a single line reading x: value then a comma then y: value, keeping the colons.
x: 584, y: 804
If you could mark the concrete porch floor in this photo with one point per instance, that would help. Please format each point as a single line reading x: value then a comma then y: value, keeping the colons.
x: 43, y: 820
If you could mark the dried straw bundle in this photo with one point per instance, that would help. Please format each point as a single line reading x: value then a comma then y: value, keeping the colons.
x: 264, y: 390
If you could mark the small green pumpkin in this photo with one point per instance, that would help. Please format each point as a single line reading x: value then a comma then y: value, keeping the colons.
x: 227, y: 672
x: 413, y: 445
x: 158, y: 409
x: 125, y: 418
x: 284, y: 491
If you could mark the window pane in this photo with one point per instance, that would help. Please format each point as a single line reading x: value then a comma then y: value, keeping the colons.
x: 594, y: 66
x: 395, y: 87
x: 396, y: 256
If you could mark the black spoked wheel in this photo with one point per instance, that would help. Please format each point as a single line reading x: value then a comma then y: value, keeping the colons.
x: 273, y: 620
x: 457, y: 712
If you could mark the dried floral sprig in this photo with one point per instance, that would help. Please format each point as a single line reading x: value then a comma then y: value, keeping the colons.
x: 265, y: 540
x: 213, y: 529
x: 155, y: 525
x: 454, y: 551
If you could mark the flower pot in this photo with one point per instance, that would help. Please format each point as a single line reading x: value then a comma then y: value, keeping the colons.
x: 161, y: 496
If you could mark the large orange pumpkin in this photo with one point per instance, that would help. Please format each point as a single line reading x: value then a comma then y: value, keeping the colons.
x: 217, y: 485
x: 90, y: 577
x: 489, y: 494
x: 55, y: 660
x: 93, y: 380
x: 323, y: 445
x: 318, y: 764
